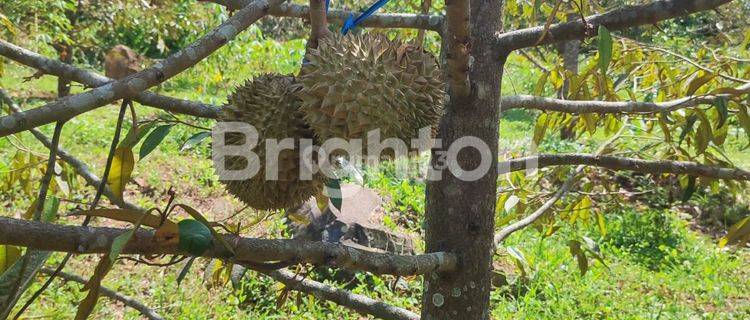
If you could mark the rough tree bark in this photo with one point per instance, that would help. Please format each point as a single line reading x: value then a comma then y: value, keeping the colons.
x: 460, y: 214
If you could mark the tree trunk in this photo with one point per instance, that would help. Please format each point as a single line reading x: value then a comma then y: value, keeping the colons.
x: 460, y: 214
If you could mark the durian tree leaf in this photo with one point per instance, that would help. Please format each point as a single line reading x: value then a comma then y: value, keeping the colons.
x: 195, y: 237
x: 604, y: 44
x: 122, y: 166
x: 689, y: 189
x: 135, y: 135
x: 185, y: 269
x: 520, y: 260
x: 722, y: 110
x: 194, y: 140
x: 577, y: 252
x: 199, y: 217
x: 153, y: 140
x: 540, y: 128
x: 8, y: 256
x: 698, y: 80
x: 738, y: 233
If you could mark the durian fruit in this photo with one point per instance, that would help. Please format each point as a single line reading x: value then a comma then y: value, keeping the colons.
x: 268, y: 103
x: 356, y: 83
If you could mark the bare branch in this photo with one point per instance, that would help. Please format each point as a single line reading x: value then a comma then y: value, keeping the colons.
x: 378, y: 20
x: 359, y: 303
x: 618, y: 19
x: 71, y: 106
x: 622, y: 163
x: 91, y: 240
x: 109, y: 293
x: 92, y: 79
x: 586, y: 106
x: 457, y: 42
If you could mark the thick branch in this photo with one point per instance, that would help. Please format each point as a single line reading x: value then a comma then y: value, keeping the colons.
x: 130, y: 86
x: 622, y: 163
x: 109, y: 293
x: 359, y: 303
x: 378, y: 20
x: 91, y: 240
x: 617, y: 19
x: 585, y: 106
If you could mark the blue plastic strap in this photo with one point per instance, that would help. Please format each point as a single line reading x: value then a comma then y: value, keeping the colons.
x: 352, y: 22
x: 328, y: 5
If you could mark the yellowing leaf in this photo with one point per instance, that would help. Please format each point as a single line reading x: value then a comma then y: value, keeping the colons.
x: 738, y: 234
x: 8, y: 256
x: 122, y: 167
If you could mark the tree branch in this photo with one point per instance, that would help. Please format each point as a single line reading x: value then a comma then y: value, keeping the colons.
x: 92, y: 79
x: 618, y: 19
x: 622, y: 163
x: 71, y: 106
x: 586, y: 106
x: 92, y: 240
x: 362, y: 304
x: 377, y: 20
x: 109, y: 293
x: 505, y: 232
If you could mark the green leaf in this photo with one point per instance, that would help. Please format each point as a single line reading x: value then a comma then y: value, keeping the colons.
x: 575, y: 250
x: 153, y: 140
x: 721, y: 108
x: 199, y: 217
x: 122, y: 166
x: 690, y: 189
x: 195, y: 237
x: 604, y: 43
x: 519, y: 259
x: 135, y: 136
x: 194, y: 140
x: 120, y: 241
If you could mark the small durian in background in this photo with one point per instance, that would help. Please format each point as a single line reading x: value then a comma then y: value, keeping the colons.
x: 357, y: 83
x: 268, y: 103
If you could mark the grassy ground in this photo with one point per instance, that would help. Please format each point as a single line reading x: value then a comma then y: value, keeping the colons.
x: 656, y: 266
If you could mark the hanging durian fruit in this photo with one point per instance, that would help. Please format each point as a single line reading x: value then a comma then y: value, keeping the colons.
x: 269, y: 104
x: 356, y: 83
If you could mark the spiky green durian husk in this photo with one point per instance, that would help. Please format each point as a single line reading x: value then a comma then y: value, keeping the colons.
x: 269, y: 104
x: 356, y: 83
